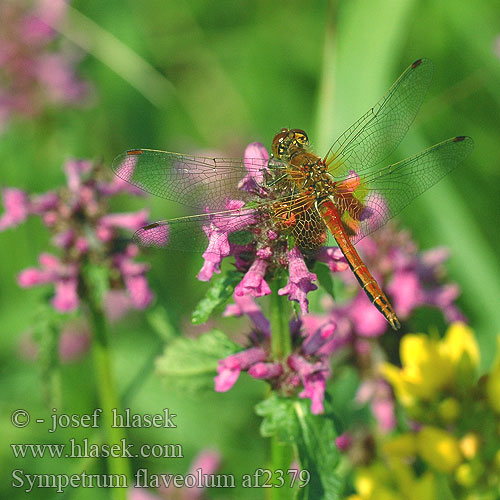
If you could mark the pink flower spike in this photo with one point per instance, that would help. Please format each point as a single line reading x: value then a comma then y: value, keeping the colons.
x: 300, y: 281
x: 253, y: 283
x: 17, y: 207
x: 265, y: 370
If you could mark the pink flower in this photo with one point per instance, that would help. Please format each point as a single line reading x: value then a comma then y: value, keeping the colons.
x: 253, y: 283
x: 300, y: 280
x: 265, y: 370
x: 74, y: 214
x: 34, y: 71
x: 344, y: 441
x: 245, y: 304
x: 255, y: 155
x: 17, y: 207
x: 379, y: 394
x: 229, y: 368
x: 66, y: 296
x: 74, y: 342
x: 334, y: 258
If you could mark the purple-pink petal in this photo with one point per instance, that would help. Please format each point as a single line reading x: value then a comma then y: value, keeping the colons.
x: 245, y: 304
x: 253, y: 283
x: 265, y: 370
x: 17, y: 207
x: 300, y: 281
x: 66, y: 295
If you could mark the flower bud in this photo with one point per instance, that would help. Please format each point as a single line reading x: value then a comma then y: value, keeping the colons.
x: 449, y: 410
x: 469, y: 445
x: 439, y: 449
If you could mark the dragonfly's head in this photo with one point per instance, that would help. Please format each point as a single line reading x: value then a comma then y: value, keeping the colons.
x: 286, y: 139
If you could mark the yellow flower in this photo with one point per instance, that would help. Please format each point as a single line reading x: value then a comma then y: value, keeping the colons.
x: 402, y: 446
x: 430, y: 365
x: 425, y: 370
x: 460, y: 341
x: 449, y: 410
x: 424, y: 488
x: 439, y: 449
x: 460, y: 346
x: 493, y: 382
x: 469, y: 445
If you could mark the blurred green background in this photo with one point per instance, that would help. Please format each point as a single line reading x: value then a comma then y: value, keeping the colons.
x: 194, y: 76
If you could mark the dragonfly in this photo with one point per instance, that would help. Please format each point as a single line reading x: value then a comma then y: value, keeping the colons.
x: 346, y: 194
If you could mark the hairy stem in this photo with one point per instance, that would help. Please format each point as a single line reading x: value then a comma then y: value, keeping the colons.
x: 108, y: 396
x: 281, y: 347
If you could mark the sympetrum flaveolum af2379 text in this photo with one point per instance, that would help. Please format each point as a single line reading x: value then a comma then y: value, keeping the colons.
x: 304, y: 198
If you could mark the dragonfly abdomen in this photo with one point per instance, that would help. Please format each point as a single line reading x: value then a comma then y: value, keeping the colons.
x: 331, y: 218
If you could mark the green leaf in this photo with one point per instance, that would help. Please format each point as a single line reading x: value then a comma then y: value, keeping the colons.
x: 158, y: 319
x: 291, y: 420
x: 191, y: 364
x: 325, y: 278
x: 219, y: 292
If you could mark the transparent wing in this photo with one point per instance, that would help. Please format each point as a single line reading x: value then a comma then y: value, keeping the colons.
x: 193, y: 233
x: 377, y: 133
x: 191, y: 180
x: 380, y: 196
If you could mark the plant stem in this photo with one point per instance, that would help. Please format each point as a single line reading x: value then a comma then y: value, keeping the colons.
x: 281, y: 347
x: 108, y: 396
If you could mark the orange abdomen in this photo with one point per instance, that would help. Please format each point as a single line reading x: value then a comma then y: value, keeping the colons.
x: 331, y: 218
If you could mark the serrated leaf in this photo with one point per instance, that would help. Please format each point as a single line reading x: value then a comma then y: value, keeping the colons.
x: 291, y: 420
x: 325, y: 278
x: 217, y: 295
x: 191, y: 364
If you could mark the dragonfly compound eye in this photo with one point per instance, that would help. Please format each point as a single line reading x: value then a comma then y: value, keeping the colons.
x: 300, y: 138
x: 280, y: 145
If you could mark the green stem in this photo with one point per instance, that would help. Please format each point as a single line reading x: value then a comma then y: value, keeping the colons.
x: 281, y: 347
x: 108, y: 396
